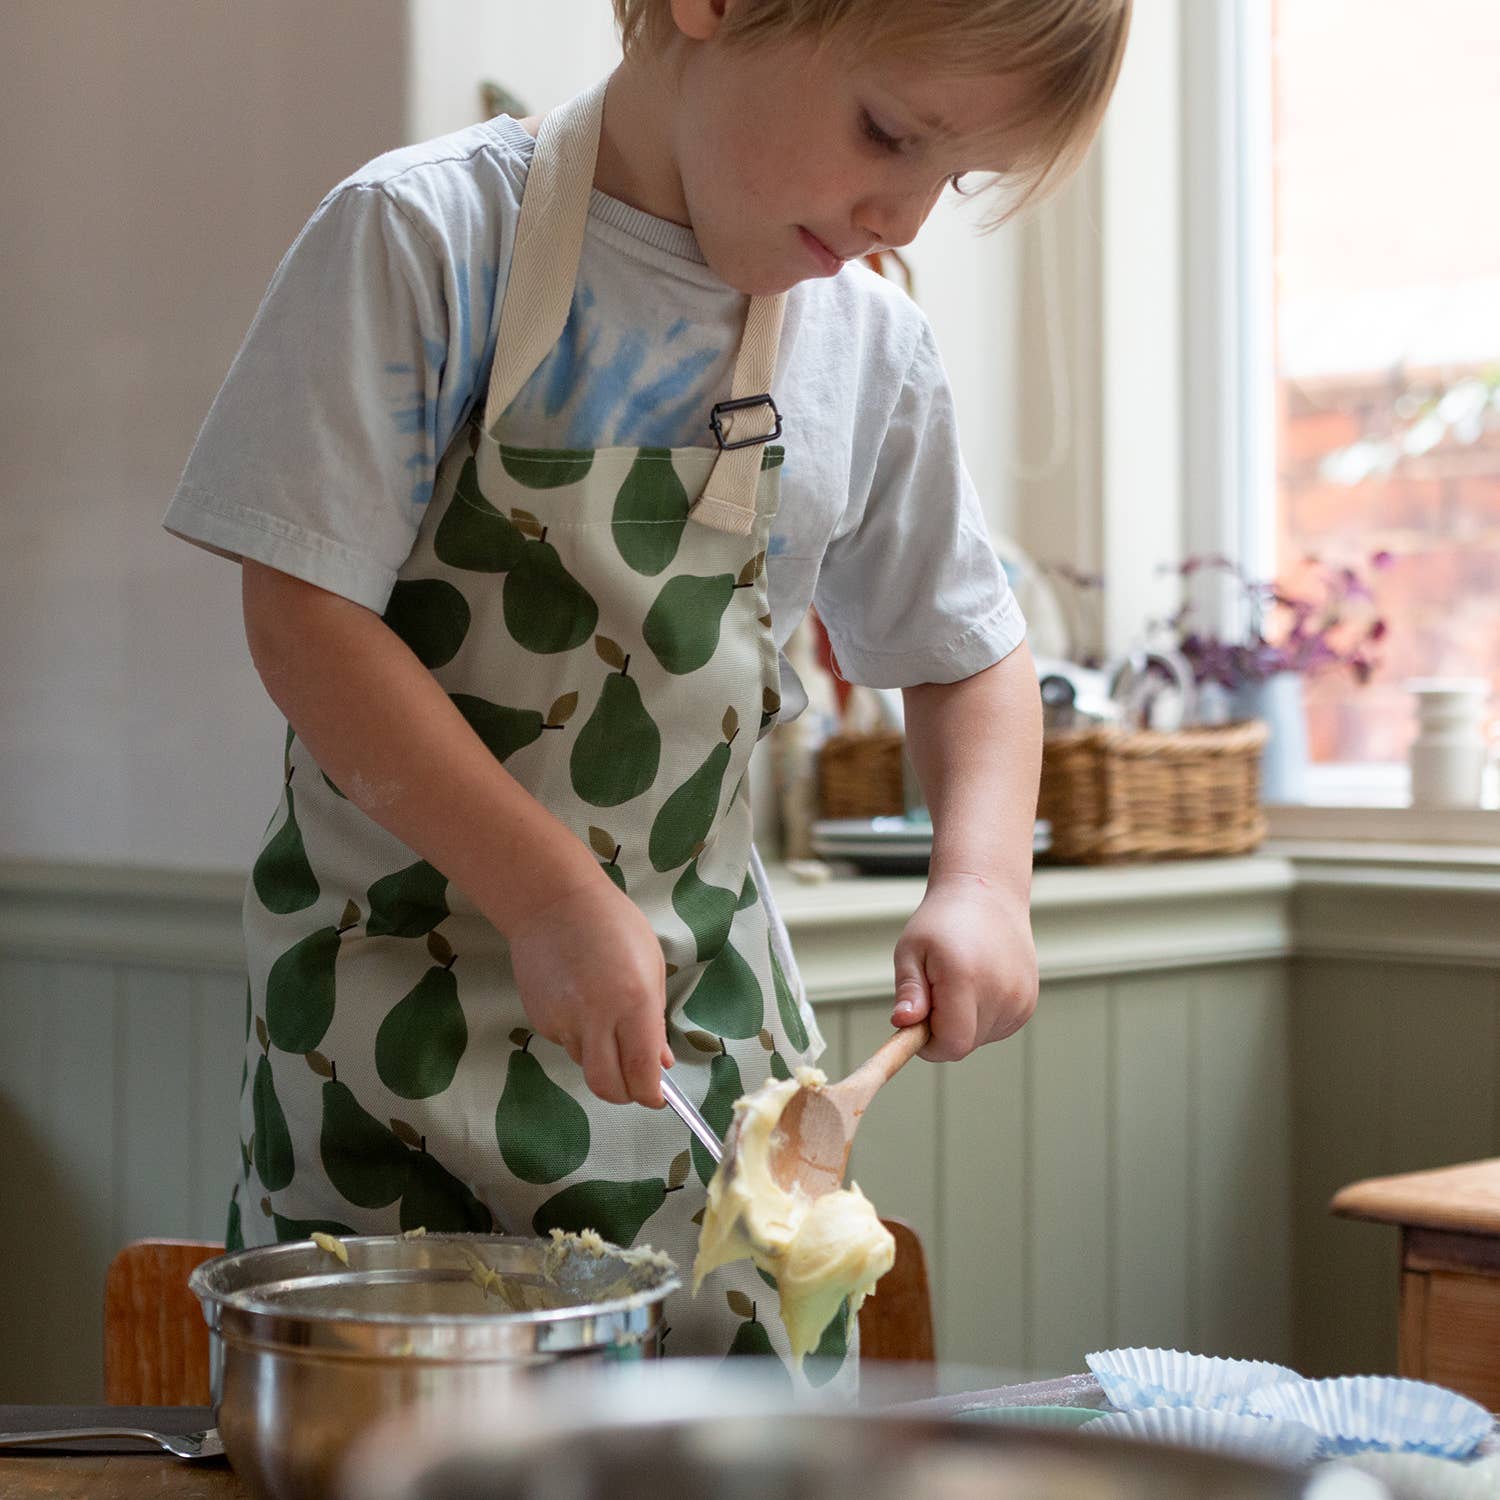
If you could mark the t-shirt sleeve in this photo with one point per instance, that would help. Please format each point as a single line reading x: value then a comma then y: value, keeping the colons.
x: 912, y: 590
x: 318, y: 454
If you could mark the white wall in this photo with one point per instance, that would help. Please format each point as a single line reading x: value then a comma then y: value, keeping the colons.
x: 163, y: 168
x: 159, y: 158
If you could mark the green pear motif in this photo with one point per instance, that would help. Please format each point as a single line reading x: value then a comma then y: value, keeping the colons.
x: 473, y: 535
x: 542, y: 1131
x: 603, y: 844
x: 437, y: 1201
x: 724, y: 1087
x: 682, y: 625
x: 787, y: 1007
x: 431, y: 616
x: 617, y: 752
x: 300, y: 987
x: 422, y: 1038
x: 615, y: 1210
x: 546, y: 609
x: 302, y: 1229
x: 273, y: 1141
x: 282, y: 877
x: 364, y: 1160
x: 234, y: 1230
x: 506, y: 730
x: 708, y: 910
x: 651, y: 510
x: 826, y: 1360
x: 409, y: 903
x: 727, y: 1000
x: 752, y: 1339
x: 686, y: 817
x: 748, y: 893
x: 546, y: 468
x: 779, y: 1068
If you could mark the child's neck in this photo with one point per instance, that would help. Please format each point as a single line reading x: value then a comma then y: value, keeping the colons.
x: 637, y: 163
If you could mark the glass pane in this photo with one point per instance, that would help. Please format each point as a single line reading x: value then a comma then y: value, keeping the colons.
x: 1387, y: 286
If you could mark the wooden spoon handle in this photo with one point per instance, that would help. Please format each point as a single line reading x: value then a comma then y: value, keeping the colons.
x: 893, y: 1054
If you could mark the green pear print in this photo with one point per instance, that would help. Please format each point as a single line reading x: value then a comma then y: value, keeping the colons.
x: 423, y: 1036
x: 751, y: 1338
x: 686, y: 817
x: 431, y: 616
x: 651, y: 510
x: 409, y: 903
x: 300, y: 987
x: 546, y: 609
x: 273, y: 1141
x: 302, y: 1229
x: 617, y: 752
x: 506, y: 730
x: 748, y: 893
x: 826, y: 1360
x: 787, y: 1007
x: 473, y: 535
x: 708, y: 910
x: 615, y: 1210
x: 682, y: 625
x: 234, y: 1229
x: 609, y: 855
x: 779, y: 1068
x: 282, y: 877
x: 364, y: 1159
x: 727, y: 1000
x: 542, y: 1131
x: 546, y: 468
x: 437, y: 1201
x: 724, y: 1087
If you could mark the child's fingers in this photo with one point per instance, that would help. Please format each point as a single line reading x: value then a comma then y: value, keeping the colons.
x: 912, y: 1002
x: 601, y: 1069
x: 640, y: 1049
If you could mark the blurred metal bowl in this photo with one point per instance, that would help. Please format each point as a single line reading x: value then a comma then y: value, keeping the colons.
x: 308, y: 1354
x: 690, y: 1429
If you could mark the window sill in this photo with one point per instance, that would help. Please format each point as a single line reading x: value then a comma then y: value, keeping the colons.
x: 1462, y: 833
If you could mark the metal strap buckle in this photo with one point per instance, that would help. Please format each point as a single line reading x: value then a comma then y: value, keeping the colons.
x: 743, y: 404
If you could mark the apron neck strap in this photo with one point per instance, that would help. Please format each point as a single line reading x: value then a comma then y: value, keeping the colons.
x: 539, y: 297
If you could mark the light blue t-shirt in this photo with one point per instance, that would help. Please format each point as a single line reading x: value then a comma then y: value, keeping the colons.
x: 374, y: 342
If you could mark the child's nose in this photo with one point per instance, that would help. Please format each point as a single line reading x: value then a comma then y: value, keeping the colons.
x: 894, y: 221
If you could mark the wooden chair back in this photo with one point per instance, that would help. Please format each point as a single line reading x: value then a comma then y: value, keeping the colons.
x: 896, y: 1323
x: 155, y: 1339
x: 156, y: 1342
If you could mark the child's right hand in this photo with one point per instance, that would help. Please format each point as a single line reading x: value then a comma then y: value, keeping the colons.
x: 592, y: 979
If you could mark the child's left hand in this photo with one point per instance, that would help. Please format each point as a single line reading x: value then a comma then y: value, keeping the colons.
x: 966, y: 963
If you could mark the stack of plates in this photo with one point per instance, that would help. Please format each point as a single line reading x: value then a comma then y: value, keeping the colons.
x: 889, y: 846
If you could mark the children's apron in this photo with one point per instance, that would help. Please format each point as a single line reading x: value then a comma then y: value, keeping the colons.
x: 600, y: 619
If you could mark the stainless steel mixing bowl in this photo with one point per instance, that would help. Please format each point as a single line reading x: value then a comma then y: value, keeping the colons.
x: 693, y: 1430
x: 308, y: 1353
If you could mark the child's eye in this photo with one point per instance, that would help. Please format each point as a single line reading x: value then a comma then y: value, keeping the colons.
x: 881, y: 138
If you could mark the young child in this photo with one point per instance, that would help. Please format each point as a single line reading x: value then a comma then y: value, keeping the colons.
x: 521, y: 536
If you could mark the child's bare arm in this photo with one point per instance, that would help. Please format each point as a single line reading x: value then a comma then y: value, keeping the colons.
x: 588, y: 965
x: 967, y: 954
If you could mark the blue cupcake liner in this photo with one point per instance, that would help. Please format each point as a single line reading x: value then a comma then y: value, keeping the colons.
x: 1138, y: 1379
x: 1214, y: 1432
x: 1353, y: 1413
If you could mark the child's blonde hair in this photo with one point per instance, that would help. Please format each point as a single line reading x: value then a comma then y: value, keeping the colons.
x: 1069, y: 52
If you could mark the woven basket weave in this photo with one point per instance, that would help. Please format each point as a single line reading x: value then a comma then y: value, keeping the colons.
x: 860, y: 775
x: 1116, y: 794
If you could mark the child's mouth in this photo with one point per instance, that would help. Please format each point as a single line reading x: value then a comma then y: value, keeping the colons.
x: 826, y: 259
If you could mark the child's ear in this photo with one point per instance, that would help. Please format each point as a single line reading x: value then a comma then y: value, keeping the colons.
x: 699, y: 20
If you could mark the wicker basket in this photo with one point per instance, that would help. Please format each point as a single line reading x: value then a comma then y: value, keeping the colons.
x: 1115, y: 794
x: 860, y: 775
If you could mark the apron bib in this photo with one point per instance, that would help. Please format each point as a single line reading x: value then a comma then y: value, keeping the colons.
x: 600, y: 619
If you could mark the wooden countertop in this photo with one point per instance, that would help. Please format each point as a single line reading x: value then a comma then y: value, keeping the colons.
x: 1464, y: 1199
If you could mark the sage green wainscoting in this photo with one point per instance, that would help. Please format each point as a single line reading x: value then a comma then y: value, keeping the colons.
x: 1219, y: 1045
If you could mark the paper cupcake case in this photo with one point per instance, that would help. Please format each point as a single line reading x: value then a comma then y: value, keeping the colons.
x: 1213, y: 1432
x: 1357, y: 1412
x: 1139, y: 1379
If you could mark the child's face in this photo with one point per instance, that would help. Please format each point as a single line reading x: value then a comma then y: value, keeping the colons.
x: 780, y: 148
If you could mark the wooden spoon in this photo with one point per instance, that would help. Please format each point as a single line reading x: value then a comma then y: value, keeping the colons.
x: 810, y: 1149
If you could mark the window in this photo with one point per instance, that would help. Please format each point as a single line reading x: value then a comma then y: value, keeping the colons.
x: 1385, y: 361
